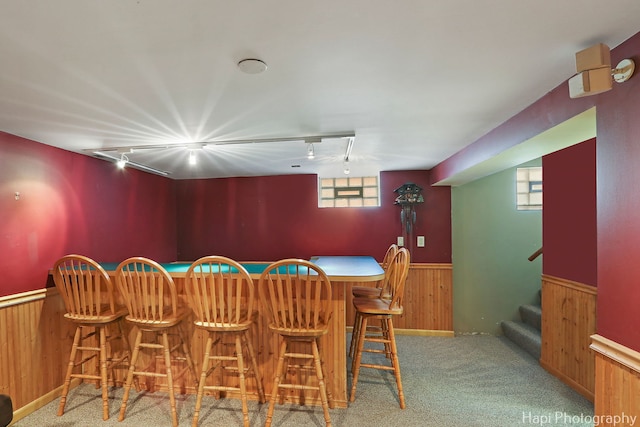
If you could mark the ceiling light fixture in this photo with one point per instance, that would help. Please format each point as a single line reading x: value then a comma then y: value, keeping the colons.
x: 125, y: 161
x: 595, y: 75
x: 310, y: 151
x: 347, y: 154
x: 252, y: 66
x: 122, y: 161
x: 349, y: 148
x: 104, y: 153
x: 209, y: 144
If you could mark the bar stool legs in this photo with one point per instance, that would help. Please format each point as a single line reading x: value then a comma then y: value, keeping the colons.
x: 387, y: 338
x: 325, y: 397
x: 166, y: 354
x: 104, y: 361
x: 70, y: 365
x: 241, y: 339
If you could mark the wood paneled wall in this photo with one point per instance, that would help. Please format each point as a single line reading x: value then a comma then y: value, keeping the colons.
x: 428, y: 301
x: 568, y: 321
x: 617, y: 382
x: 35, y: 341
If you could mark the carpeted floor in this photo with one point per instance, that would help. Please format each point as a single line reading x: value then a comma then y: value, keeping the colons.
x: 471, y: 381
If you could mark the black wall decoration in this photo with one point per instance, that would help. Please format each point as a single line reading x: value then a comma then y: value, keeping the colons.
x: 409, y: 195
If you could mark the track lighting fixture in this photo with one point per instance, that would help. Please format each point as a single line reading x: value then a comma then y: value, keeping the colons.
x: 118, y: 156
x: 122, y: 161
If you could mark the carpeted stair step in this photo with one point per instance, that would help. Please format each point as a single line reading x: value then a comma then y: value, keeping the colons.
x: 531, y: 315
x: 523, y: 335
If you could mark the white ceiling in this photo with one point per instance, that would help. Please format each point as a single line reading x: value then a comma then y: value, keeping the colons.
x: 414, y: 80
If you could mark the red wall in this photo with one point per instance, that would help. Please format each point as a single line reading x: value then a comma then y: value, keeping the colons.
x: 70, y: 203
x: 267, y: 218
x: 549, y: 111
x: 569, y: 213
x: 618, y: 175
x: 73, y: 203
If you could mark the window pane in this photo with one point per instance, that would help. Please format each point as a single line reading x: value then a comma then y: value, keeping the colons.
x: 535, y: 174
x: 326, y: 193
x: 370, y: 181
x: 370, y: 192
x: 522, y: 187
x: 535, y: 199
x: 348, y: 192
x: 522, y: 174
x: 529, y: 188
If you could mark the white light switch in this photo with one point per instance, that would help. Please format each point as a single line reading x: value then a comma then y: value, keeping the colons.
x: 400, y: 241
x: 420, y: 241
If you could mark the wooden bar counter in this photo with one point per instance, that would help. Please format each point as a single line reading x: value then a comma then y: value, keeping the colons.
x: 342, y: 271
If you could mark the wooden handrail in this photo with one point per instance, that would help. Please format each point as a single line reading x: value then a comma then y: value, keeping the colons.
x: 536, y: 254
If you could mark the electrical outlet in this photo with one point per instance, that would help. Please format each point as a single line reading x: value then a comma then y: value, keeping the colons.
x: 400, y: 241
x: 420, y: 241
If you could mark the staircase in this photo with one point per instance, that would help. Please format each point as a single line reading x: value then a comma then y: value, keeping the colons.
x: 526, y: 332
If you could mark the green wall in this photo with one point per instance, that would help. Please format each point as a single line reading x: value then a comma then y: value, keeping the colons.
x: 492, y: 240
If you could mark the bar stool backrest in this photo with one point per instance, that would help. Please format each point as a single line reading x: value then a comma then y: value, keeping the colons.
x: 220, y: 291
x: 397, y: 275
x: 297, y: 296
x: 384, y: 283
x: 85, y: 287
x: 147, y: 289
x: 388, y: 256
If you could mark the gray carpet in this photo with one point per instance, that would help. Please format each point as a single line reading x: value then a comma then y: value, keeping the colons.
x: 463, y: 381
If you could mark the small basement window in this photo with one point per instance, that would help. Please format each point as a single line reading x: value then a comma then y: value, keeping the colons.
x: 529, y: 188
x: 348, y: 192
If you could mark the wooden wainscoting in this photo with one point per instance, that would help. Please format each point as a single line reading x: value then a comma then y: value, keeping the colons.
x: 568, y: 321
x: 35, y: 341
x: 617, y: 391
x: 428, y: 301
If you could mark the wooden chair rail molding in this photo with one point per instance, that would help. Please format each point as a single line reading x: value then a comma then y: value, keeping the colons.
x: 24, y: 297
x: 617, y: 352
x: 617, y: 378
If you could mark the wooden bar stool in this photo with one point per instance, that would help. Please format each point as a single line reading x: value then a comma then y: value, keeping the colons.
x: 89, y: 300
x: 221, y: 294
x: 381, y: 288
x: 384, y: 310
x: 150, y: 295
x: 374, y: 292
x: 297, y: 297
